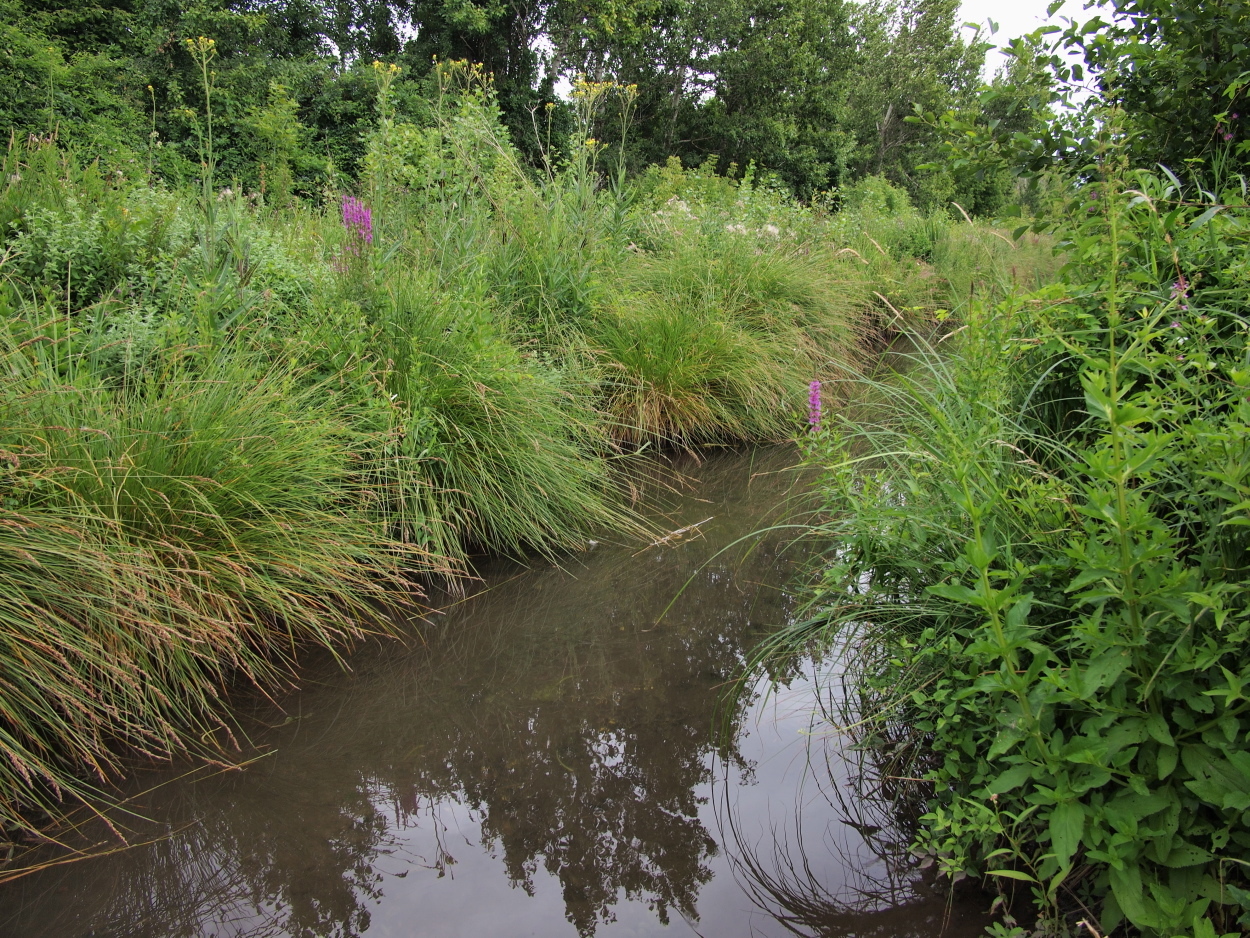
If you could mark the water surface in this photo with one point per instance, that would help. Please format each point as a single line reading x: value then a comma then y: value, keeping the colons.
x: 546, y: 763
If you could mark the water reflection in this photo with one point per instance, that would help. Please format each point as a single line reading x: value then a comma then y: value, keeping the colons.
x: 837, y: 864
x: 548, y: 756
x: 551, y: 717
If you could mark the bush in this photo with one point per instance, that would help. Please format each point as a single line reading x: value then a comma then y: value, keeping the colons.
x: 1048, y: 553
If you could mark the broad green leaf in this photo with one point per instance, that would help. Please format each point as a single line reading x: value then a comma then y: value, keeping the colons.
x: 1205, y: 217
x: 1167, y: 759
x: 1183, y: 854
x: 1087, y: 576
x: 1014, y: 777
x: 955, y: 591
x: 1011, y: 874
x: 1103, y: 670
x: 1067, y: 822
x: 1126, y: 884
x: 1157, y: 726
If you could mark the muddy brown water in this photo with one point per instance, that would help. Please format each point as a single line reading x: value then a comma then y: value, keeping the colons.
x: 547, y: 763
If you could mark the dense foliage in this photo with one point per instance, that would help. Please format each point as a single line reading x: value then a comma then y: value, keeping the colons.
x: 1039, y: 553
x: 813, y: 90
x: 236, y: 423
x: 289, y: 330
x: 1049, y: 544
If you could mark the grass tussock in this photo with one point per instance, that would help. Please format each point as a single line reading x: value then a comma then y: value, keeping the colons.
x: 718, y: 341
x: 503, y: 450
x: 160, y: 541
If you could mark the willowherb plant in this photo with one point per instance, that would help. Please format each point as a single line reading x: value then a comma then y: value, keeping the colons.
x: 358, y: 223
x: 1050, y: 555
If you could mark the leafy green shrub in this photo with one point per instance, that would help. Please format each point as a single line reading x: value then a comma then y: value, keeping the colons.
x: 83, y: 250
x: 1047, y: 554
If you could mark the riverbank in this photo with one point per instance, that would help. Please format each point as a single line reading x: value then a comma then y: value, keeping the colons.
x: 553, y: 759
x: 231, y: 430
x: 1038, y: 544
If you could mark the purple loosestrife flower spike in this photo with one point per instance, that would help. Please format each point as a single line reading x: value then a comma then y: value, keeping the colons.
x: 813, y: 405
x: 1180, y: 291
x: 358, y: 222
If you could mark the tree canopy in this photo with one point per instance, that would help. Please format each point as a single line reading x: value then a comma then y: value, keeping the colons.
x: 818, y: 92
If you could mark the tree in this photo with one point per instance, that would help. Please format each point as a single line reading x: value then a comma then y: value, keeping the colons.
x: 1180, y: 71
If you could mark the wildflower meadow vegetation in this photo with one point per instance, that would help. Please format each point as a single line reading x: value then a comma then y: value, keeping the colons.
x: 303, y: 315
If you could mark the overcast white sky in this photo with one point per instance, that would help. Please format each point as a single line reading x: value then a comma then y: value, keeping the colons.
x: 1015, y: 18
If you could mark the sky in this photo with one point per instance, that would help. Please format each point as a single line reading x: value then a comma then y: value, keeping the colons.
x: 1015, y: 18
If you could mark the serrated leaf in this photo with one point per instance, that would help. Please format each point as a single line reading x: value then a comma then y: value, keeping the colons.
x: 1126, y: 885
x: 1183, y: 854
x: 1126, y: 810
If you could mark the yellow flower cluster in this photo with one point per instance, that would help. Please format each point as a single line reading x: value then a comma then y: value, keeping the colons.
x: 201, y: 47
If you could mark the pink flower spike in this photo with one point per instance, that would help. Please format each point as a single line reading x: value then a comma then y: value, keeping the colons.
x: 813, y: 405
x: 358, y: 222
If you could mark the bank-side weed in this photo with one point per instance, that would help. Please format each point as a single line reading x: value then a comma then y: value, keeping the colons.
x: 160, y: 540
x: 716, y: 338
x: 489, y: 448
x: 1048, y: 550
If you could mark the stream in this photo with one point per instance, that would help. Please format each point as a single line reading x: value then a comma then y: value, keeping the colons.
x: 549, y: 761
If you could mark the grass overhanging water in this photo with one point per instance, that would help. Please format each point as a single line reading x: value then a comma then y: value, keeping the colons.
x: 234, y: 427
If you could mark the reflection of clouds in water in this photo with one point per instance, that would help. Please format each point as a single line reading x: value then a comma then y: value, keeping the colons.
x: 834, y: 861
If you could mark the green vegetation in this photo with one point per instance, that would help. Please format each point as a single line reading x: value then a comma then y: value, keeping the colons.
x: 250, y: 402
x: 1038, y: 564
x: 815, y: 91
x: 290, y: 331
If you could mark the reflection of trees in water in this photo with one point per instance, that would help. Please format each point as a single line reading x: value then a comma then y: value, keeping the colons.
x: 231, y: 876
x: 575, y: 729
x: 585, y: 756
x: 880, y: 892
